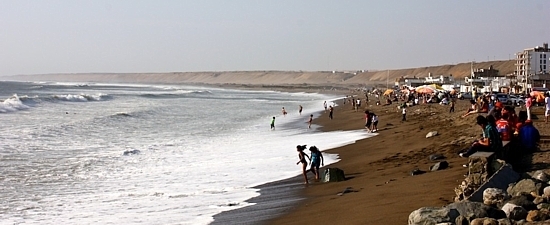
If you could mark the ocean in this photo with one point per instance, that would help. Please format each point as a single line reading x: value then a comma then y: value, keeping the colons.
x: 90, y: 153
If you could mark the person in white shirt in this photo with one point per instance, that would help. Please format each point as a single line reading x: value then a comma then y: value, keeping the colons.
x: 547, y: 105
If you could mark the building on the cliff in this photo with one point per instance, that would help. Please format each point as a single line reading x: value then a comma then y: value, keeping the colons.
x: 532, y: 67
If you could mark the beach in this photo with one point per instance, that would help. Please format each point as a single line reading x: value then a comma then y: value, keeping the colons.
x: 381, y: 189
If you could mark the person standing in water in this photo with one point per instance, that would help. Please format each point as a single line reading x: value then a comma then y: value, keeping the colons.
x: 331, y: 110
x: 284, y: 111
x: 302, y: 159
x: 273, y: 123
x: 300, y: 109
x: 316, y: 161
x: 310, y: 121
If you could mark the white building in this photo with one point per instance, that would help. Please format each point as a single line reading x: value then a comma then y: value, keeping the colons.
x: 532, y: 61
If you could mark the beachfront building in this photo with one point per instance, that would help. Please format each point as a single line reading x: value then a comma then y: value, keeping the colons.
x: 417, y: 81
x: 486, y: 80
x: 531, y: 64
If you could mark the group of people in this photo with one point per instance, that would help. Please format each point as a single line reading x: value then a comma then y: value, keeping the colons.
x: 371, y: 121
x: 503, y: 125
x: 315, y: 161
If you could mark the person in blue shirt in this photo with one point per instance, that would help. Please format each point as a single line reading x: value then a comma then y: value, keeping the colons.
x: 316, y: 161
x: 529, y: 136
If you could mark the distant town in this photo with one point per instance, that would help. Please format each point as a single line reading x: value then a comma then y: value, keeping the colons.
x: 531, y: 74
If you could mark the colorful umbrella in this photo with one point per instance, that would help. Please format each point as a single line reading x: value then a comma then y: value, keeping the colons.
x: 539, y: 96
x: 425, y: 89
x: 436, y: 87
x: 388, y: 92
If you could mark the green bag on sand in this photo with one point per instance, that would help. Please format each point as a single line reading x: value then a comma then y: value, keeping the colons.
x: 333, y: 175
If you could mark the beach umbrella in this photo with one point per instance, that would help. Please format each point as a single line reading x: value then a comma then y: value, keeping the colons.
x: 388, y: 92
x: 539, y: 96
x: 425, y: 90
x: 437, y: 87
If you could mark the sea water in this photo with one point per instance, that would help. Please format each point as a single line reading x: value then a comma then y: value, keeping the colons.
x: 147, y: 154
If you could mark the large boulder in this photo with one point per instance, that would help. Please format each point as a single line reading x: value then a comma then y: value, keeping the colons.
x: 432, y: 216
x: 494, y: 196
x: 474, y: 210
x: 523, y: 200
x: 514, y: 212
x: 524, y: 186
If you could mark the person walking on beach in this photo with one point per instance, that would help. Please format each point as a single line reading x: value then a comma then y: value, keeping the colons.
x: 528, y: 104
x: 330, y: 111
x: 547, y: 107
x: 273, y: 123
x: 310, y: 121
x: 374, y: 122
x: 284, y: 111
x: 325, y: 105
x: 453, y: 102
x: 300, y: 108
x: 302, y: 159
x: 368, y: 121
x: 404, y: 112
x: 316, y: 161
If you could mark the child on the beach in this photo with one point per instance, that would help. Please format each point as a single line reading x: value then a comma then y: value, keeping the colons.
x: 273, y: 123
x: 316, y: 161
x: 284, y: 111
x: 302, y: 156
x: 374, y: 122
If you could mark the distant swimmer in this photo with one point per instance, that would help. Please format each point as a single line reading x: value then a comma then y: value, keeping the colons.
x: 273, y: 123
x: 300, y: 109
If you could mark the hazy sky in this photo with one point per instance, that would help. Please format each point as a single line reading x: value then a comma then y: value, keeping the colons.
x: 48, y: 36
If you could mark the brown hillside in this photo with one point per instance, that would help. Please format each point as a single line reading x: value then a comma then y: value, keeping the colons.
x: 272, y: 77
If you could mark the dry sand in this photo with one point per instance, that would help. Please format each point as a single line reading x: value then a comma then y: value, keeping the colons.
x: 378, y: 168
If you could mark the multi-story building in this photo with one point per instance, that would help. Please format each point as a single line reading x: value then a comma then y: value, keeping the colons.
x: 531, y: 62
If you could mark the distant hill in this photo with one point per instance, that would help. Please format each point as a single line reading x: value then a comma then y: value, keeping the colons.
x: 273, y: 77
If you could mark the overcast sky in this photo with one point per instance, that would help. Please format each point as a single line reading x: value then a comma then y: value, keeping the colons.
x: 48, y: 36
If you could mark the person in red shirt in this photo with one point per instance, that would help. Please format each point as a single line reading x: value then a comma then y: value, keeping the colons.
x: 504, y: 128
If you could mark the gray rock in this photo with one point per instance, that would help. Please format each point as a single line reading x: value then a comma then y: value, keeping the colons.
x: 524, y: 201
x: 546, y: 192
x: 540, y: 175
x: 431, y: 134
x: 435, y: 157
x: 432, y: 216
x: 474, y: 210
x: 461, y: 220
x: 494, y: 196
x: 439, y: 166
x: 524, y: 186
x: 514, y: 212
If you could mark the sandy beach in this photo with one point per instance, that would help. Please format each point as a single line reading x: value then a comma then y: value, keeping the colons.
x: 378, y: 170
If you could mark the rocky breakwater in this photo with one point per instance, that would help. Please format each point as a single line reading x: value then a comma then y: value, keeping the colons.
x: 492, y: 193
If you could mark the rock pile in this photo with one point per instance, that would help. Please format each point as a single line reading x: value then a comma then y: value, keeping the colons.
x: 526, y: 201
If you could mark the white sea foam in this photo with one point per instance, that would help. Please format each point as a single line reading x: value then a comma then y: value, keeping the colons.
x: 198, y: 155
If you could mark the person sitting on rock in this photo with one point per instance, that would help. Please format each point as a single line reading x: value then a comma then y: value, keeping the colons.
x: 490, y: 142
